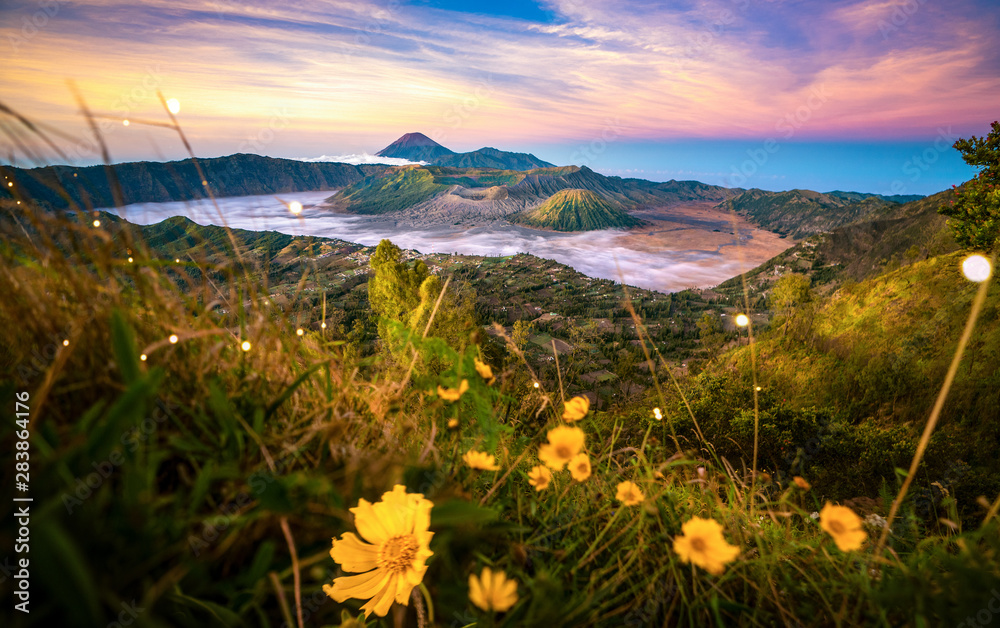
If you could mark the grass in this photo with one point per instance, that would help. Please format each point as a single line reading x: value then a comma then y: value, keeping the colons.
x: 203, y: 483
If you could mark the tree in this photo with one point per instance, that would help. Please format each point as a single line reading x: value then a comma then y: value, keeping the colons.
x: 407, y: 293
x: 974, y: 215
x: 791, y: 290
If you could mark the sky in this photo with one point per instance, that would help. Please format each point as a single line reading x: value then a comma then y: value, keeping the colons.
x: 777, y: 94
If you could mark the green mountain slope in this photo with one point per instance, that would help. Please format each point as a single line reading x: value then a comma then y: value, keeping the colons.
x: 492, y: 158
x: 402, y: 188
x: 576, y: 210
x: 875, y: 353
x: 862, y: 250
x: 801, y: 213
x: 58, y: 187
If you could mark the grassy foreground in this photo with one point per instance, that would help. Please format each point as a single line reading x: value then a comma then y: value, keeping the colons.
x: 192, y: 455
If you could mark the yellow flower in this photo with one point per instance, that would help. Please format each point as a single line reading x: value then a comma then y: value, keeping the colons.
x: 702, y: 544
x: 484, y: 370
x: 579, y: 467
x: 629, y: 494
x: 480, y: 460
x: 843, y: 525
x: 540, y: 477
x: 564, y: 443
x: 492, y: 591
x: 453, y: 394
x: 452, y: 423
x: 801, y: 483
x: 393, y: 559
x: 576, y: 408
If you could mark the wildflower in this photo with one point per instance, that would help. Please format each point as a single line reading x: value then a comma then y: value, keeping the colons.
x: 564, y: 443
x: 484, y: 370
x: 576, y: 408
x: 579, y: 467
x: 629, y: 494
x: 843, y: 525
x: 702, y: 544
x: 452, y: 423
x: 453, y: 394
x: 480, y: 460
x: 801, y: 483
x: 492, y: 591
x: 393, y: 561
x: 540, y: 477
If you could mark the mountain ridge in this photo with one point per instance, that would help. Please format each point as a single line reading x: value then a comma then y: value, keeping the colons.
x: 417, y: 147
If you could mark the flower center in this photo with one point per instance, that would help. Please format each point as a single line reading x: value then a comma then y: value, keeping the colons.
x: 698, y: 544
x: 563, y: 451
x: 398, y: 553
x: 837, y: 527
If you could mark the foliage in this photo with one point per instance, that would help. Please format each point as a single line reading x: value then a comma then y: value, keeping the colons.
x: 576, y: 210
x: 974, y: 216
x: 408, y: 294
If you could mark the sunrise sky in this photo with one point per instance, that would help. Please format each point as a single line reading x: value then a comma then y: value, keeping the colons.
x: 856, y: 95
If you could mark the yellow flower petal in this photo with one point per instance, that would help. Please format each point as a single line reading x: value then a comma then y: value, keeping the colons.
x: 453, y: 394
x: 395, y: 561
x: 484, y: 370
x: 564, y: 443
x: 579, y: 467
x: 492, y: 591
x: 353, y: 554
x: 702, y: 544
x: 844, y: 526
x: 540, y: 477
x: 480, y: 460
x: 629, y: 494
x: 576, y: 408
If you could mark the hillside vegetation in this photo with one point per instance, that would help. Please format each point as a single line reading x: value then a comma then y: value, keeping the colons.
x: 801, y: 213
x: 576, y: 210
x: 61, y: 187
x: 238, y: 463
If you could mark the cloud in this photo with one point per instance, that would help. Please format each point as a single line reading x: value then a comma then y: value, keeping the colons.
x: 363, y: 158
x: 352, y: 75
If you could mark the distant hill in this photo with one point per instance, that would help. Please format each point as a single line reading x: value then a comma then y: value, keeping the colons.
x: 419, y: 147
x: 859, y: 196
x: 493, y: 158
x: 576, y: 210
x: 802, y: 213
x: 415, y: 147
x: 425, y: 195
x: 903, y: 235
x: 60, y: 187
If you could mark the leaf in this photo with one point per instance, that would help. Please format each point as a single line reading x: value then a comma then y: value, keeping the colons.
x: 285, y: 394
x: 123, y: 344
x: 221, y: 614
x: 456, y: 512
x: 274, y: 496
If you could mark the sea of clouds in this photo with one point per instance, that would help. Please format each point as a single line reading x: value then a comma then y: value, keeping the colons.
x: 602, y: 254
x: 363, y: 158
